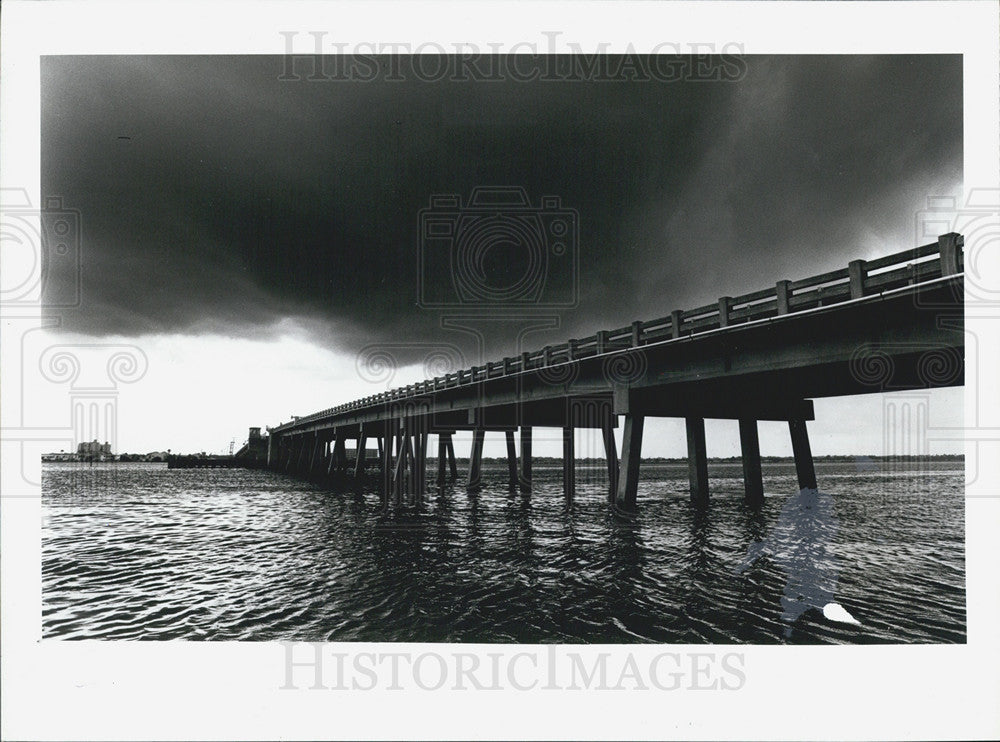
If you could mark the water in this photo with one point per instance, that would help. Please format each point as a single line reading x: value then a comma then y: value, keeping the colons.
x: 137, y: 551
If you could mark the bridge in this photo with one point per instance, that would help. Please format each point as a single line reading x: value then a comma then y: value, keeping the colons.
x: 893, y: 323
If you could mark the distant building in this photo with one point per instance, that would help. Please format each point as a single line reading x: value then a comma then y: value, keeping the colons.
x: 94, y: 450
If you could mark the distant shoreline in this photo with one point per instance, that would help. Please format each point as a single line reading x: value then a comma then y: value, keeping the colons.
x: 679, y: 461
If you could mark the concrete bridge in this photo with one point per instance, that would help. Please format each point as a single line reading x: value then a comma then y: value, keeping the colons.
x: 893, y: 323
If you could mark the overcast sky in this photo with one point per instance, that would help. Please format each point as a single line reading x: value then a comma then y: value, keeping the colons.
x: 278, y: 222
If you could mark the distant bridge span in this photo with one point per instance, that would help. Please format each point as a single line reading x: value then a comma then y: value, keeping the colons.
x: 888, y: 324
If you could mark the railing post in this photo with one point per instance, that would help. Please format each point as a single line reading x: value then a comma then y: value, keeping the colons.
x: 857, y: 273
x: 784, y: 293
x: 676, y: 318
x: 548, y: 355
x: 636, y: 334
x: 948, y: 245
x: 506, y: 365
x: 602, y: 341
x: 570, y: 348
x: 725, y: 303
x: 524, y: 361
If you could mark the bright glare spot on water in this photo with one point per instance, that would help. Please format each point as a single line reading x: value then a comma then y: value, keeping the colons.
x: 837, y: 612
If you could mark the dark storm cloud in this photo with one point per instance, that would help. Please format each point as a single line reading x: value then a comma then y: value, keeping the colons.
x: 238, y: 199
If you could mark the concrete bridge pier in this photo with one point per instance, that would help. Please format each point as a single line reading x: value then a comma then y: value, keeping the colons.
x: 318, y: 451
x: 569, y: 463
x: 525, y: 479
x: 385, y: 457
x: 359, y: 459
x: 805, y: 469
x: 403, y: 450
x: 420, y: 470
x: 340, y: 452
x: 628, y: 477
x: 611, y: 454
x: 331, y: 463
x: 476, y: 459
x: 272, y: 451
x: 753, y: 479
x: 452, y: 462
x: 442, y: 459
x: 300, y: 463
x: 697, y: 459
x: 511, y: 458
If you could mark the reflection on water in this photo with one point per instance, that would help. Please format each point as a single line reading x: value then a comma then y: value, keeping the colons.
x: 139, y: 551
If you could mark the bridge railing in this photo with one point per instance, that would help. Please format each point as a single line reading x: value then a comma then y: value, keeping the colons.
x: 859, y: 279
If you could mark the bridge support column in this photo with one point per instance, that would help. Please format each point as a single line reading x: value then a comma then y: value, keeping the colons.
x: 316, y: 461
x: 611, y: 454
x: 569, y: 463
x: 399, y: 475
x: 697, y: 459
x: 331, y: 464
x: 511, y: 458
x: 300, y: 464
x: 753, y: 480
x: 804, y: 468
x: 340, y: 452
x: 359, y: 460
x: 476, y: 458
x: 442, y: 457
x: 411, y: 444
x: 420, y: 467
x: 385, y: 457
x: 271, y: 451
x: 628, y: 477
x: 526, y: 458
x: 284, y: 453
x: 452, y: 462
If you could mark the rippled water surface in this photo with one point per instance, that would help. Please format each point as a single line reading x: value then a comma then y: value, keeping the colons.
x: 137, y: 551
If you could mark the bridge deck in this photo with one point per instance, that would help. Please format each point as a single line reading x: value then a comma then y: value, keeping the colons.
x: 878, y: 325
